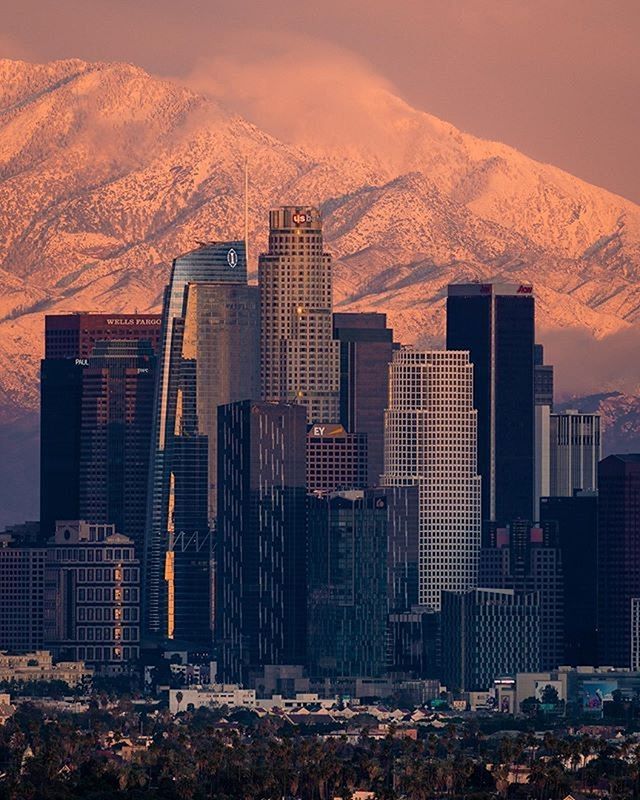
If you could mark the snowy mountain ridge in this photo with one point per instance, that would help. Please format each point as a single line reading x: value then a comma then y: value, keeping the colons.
x: 107, y: 173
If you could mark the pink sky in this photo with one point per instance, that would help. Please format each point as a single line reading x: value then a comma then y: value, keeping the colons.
x: 558, y: 79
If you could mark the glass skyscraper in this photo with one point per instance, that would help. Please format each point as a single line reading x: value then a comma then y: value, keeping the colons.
x: 197, y: 321
x: 495, y: 323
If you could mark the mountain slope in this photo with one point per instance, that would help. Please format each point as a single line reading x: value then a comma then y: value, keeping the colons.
x: 106, y: 173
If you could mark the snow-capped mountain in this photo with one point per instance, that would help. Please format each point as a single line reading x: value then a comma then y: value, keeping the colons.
x: 107, y: 173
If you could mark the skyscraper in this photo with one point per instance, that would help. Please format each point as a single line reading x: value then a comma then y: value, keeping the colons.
x: 21, y: 595
x: 208, y: 332
x: 97, y: 381
x: 261, y: 537
x: 495, y: 323
x: 618, y: 555
x: 574, y: 521
x: 299, y: 356
x: 430, y: 441
x: 543, y: 400
x: 347, y: 596
x: 576, y: 449
x: 366, y: 350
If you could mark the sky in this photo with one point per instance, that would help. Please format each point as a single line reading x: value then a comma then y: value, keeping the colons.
x: 557, y: 79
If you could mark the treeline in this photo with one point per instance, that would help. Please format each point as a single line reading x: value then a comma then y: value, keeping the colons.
x: 204, y: 756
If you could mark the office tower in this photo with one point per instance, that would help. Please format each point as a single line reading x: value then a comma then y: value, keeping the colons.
x: 486, y: 634
x: 543, y: 400
x: 92, y: 596
x: 115, y: 427
x: 576, y: 450
x: 347, y: 591
x: 403, y: 522
x: 542, y: 378
x: 206, y: 355
x: 366, y: 350
x: 618, y: 555
x: 574, y: 521
x: 21, y: 596
x: 96, y: 396
x: 495, y: 323
x: 261, y: 537
x: 335, y: 459
x: 75, y: 335
x: 528, y: 559
x: 299, y: 357
x: 430, y: 441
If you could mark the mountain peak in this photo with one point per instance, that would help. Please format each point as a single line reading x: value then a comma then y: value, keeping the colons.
x: 107, y: 172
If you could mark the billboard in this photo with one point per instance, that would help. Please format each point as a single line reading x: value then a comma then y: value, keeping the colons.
x: 596, y: 693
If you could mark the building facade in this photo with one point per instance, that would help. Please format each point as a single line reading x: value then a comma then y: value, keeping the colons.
x: 336, y: 459
x: 21, y: 596
x: 574, y: 523
x: 347, y: 593
x: 618, y: 555
x: 92, y: 596
x: 299, y: 356
x: 488, y: 633
x: 366, y: 350
x: 261, y: 538
x: 528, y: 559
x: 495, y: 323
x: 195, y: 322
x: 96, y: 398
x: 430, y: 442
x: 576, y: 449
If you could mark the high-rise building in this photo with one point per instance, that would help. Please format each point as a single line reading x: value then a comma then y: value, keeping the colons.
x: 430, y: 442
x: 495, y: 323
x: 486, y: 634
x: 92, y: 596
x: 543, y: 400
x: 618, y: 555
x: 208, y: 355
x: 542, y: 378
x: 366, y: 350
x: 21, y: 596
x: 574, y: 523
x: 299, y: 356
x: 75, y: 335
x: 528, y: 559
x: 261, y: 537
x: 347, y: 590
x: 336, y: 459
x: 576, y: 449
x: 97, y: 382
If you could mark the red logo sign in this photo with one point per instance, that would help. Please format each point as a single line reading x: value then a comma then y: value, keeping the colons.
x: 300, y: 219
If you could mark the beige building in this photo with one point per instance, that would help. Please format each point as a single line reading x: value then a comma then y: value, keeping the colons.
x: 39, y: 666
x: 430, y: 442
x: 300, y: 359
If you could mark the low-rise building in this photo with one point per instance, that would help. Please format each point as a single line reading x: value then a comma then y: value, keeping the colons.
x: 39, y: 666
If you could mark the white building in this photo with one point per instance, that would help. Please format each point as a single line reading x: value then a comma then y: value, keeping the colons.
x: 300, y: 360
x: 575, y: 451
x: 430, y: 441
